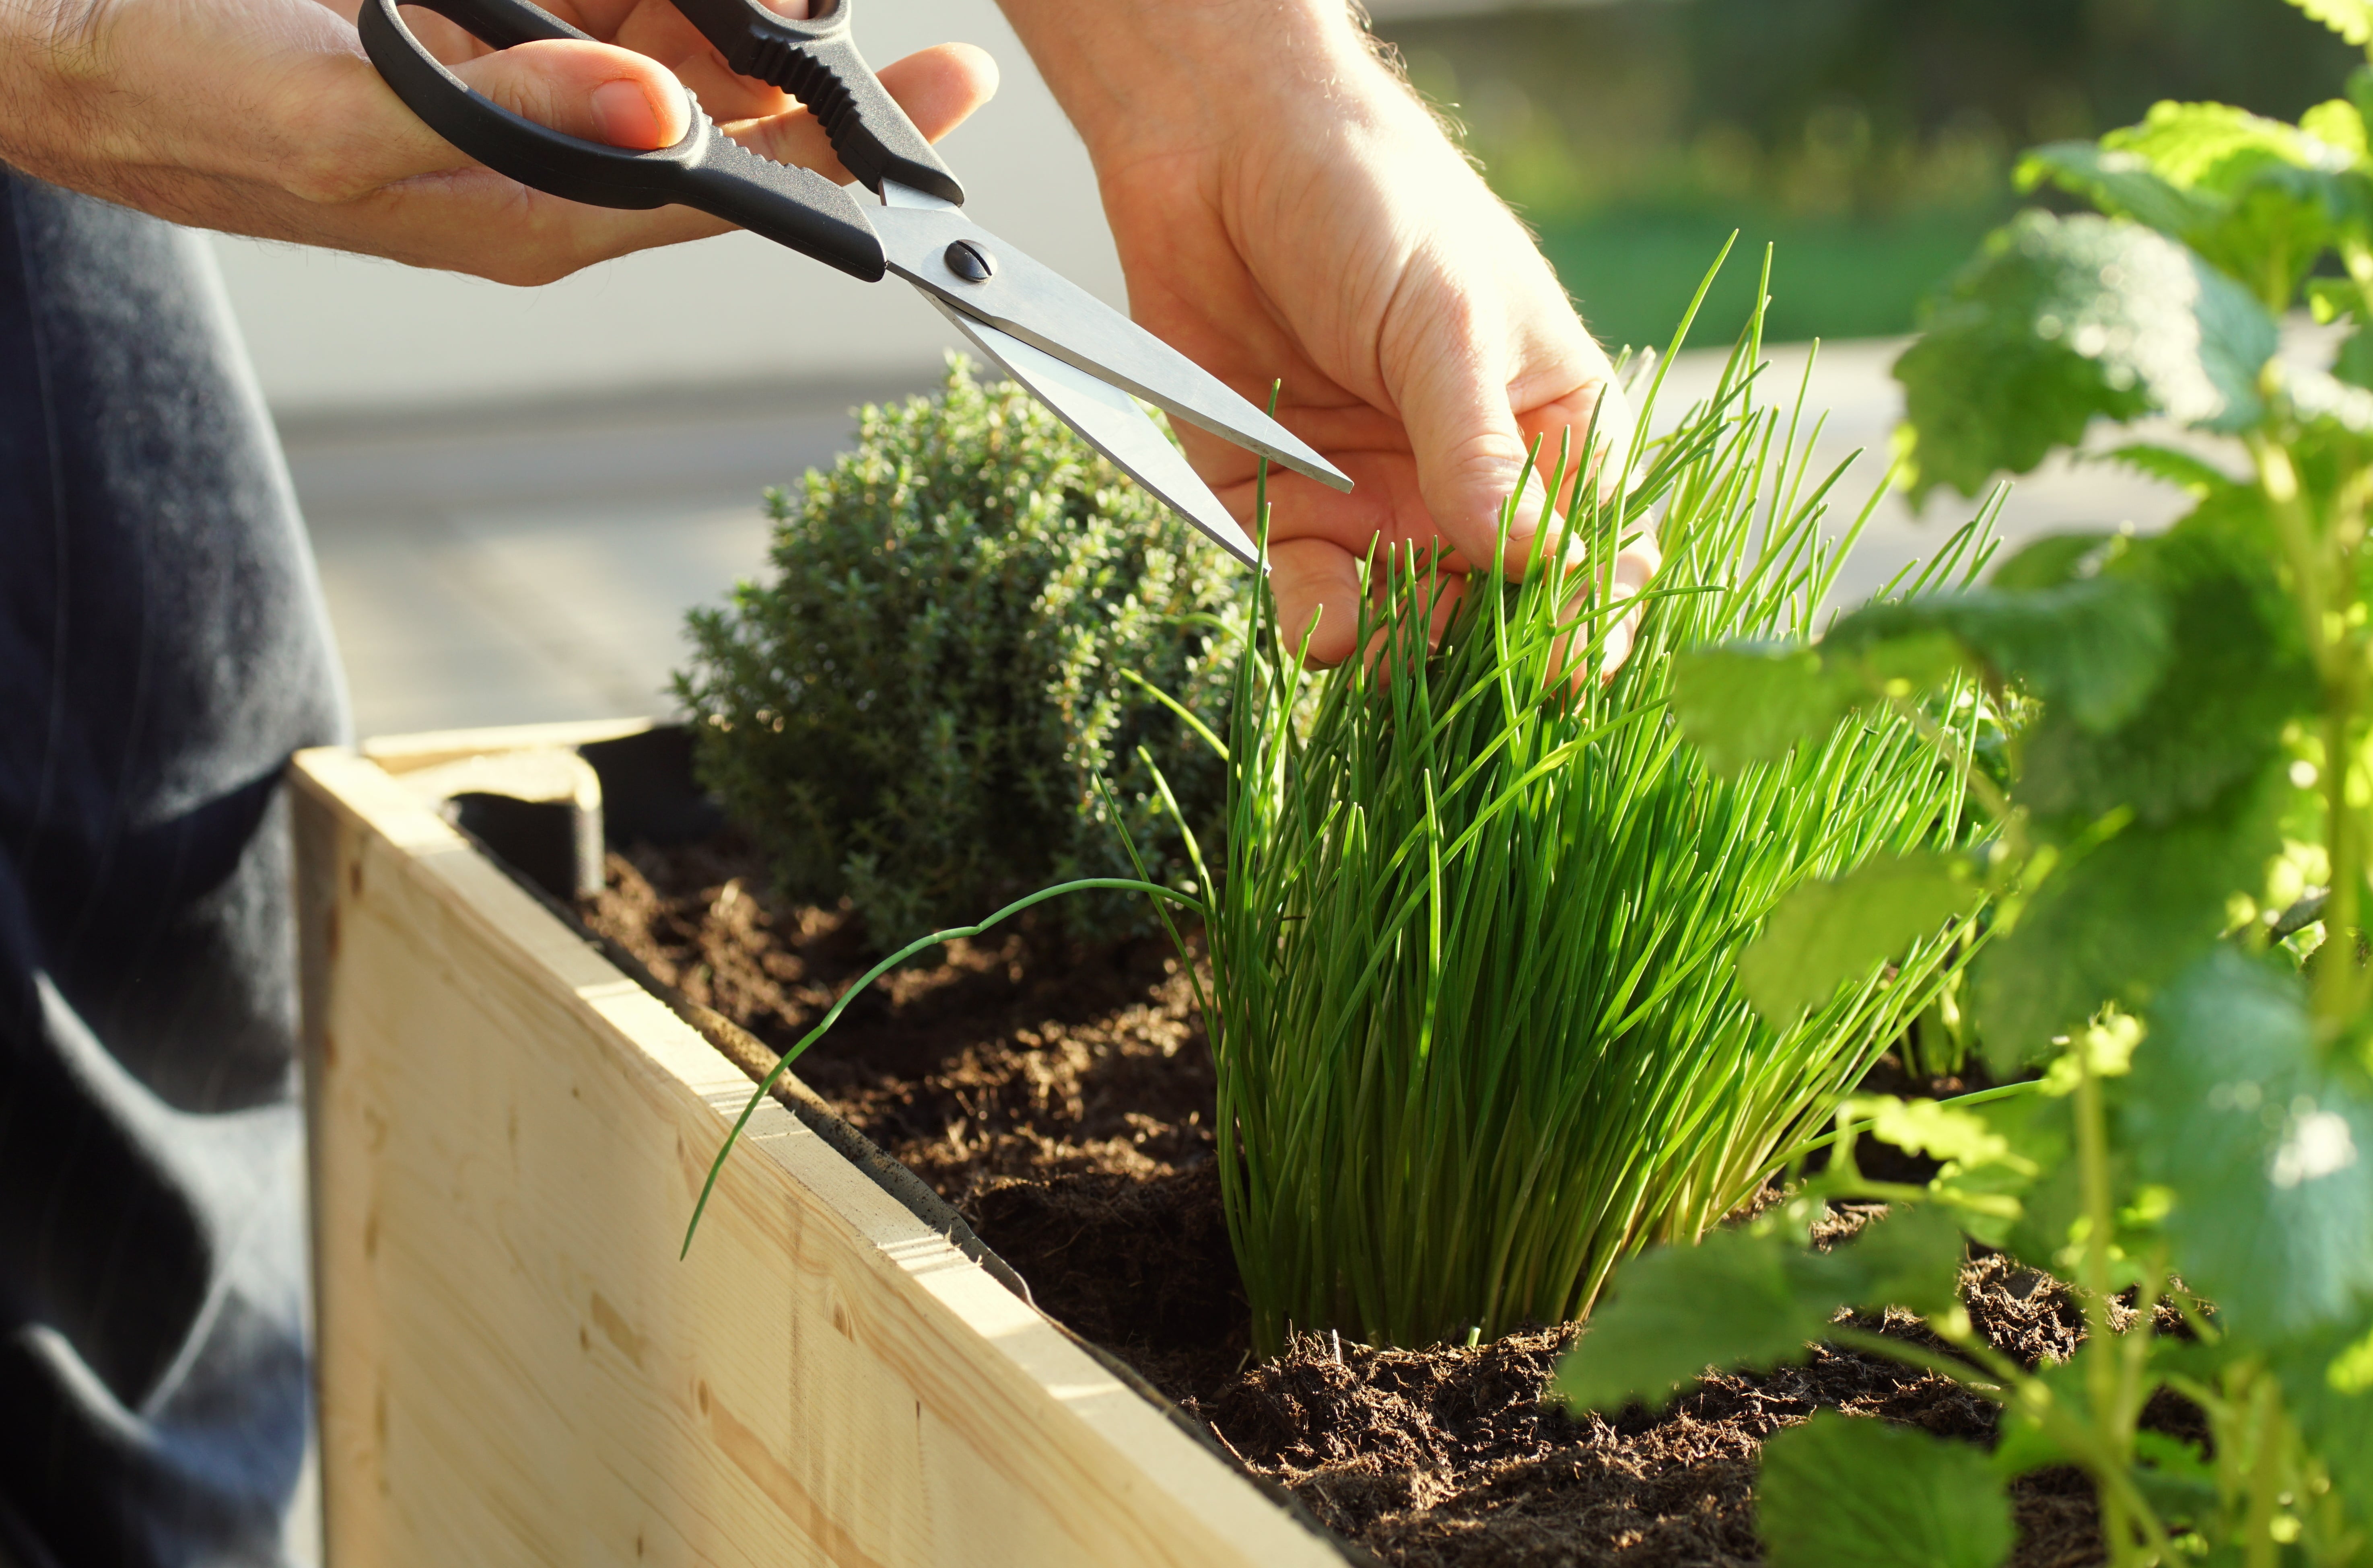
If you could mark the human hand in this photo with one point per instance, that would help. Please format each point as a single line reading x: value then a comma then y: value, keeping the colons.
x: 1285, y: 209
x: 265, y: 117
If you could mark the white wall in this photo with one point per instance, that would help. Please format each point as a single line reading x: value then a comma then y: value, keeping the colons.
x: 335, y: 333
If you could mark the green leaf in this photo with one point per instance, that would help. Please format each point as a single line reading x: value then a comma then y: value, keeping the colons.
x: 2179, y: 468
x: 1735, y: 1299
x: 1752, y: 1297
x: 2172, y: 1473
x: 2218, y: 149
x: 2267, y: 198
x: 2269, y: 1155
x: 1747, y: 704
x: 2050, y: 561
x: 1844, y: 1492
x: 2180, y: 1483
x: 2119, y: 921
x: 2338, y: 122
x: 2327, y: 1379
x: 2216, y: 714
x: 1824, y: 933
x: 2319, y: 397
x: 2330, y: 300
x: 2280, y: 220
x: 2024, y: 1443
x: 2063, y: 319
x: 2024, y: 1446
x: 2019, y: 1161
x: 2094, y: 647
x: 2352, y: 366
x: 1933, y: 1128
x: 2045, y: 1233
x: 2352, y: 19
x: 2120, y: 183
x: 2257, y: 198
x: 1911, y: 1258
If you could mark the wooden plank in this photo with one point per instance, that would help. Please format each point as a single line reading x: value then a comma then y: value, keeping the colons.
x: 515, y: 1368
x: 428, y: 748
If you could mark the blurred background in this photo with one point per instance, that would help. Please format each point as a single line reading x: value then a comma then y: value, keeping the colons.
x: 515, y: 494
x: 1872, y: 141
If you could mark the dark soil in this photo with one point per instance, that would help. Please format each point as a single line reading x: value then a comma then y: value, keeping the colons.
x: 1060, y: 1100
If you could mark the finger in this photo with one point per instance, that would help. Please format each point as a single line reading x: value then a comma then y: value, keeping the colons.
x: 355, y: 157
x: 1582, y: 438
x: 1597, y: 412
x: 1470, y: 454
x: 938, y: 88
x: 356, y: 136
x: 1635, y: 567
x: 595, y: 91
x: 338, y: 134
x: 941, y: 86
x: 1317, y: 589
x: 1449, y: 591
x: 1463, y: 413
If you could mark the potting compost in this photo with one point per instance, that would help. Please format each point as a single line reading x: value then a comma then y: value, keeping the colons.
x: 1058, y: 1097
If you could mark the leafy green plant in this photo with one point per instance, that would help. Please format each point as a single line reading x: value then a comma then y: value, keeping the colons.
x: 914, y: 710
x: 2178, y: 857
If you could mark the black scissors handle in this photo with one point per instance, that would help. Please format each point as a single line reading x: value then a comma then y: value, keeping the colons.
x: 817, y: 63
x: 707, y: 170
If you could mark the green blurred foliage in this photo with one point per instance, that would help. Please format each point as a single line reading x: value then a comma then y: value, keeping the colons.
x: 1872, y: 140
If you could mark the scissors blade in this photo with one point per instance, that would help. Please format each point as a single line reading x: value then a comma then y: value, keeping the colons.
x: 1050, y: 312
x: 1106, y: 418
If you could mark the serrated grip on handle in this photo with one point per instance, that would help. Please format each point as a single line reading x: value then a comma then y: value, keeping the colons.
x: 817, y: 62
x: 707, y: 170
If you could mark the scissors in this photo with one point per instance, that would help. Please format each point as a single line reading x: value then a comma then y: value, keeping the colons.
x: 1073, y: 353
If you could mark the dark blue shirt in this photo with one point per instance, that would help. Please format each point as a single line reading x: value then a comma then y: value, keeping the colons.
x: 162, y: 649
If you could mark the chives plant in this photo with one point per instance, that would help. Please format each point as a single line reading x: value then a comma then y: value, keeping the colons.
x: 1473, y: 1007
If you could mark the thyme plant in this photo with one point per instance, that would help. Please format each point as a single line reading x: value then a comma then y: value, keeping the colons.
x: 2180, y: 838
x: 914, y: 709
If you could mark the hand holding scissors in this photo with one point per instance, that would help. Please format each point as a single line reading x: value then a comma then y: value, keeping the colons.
x: 1082, y: 358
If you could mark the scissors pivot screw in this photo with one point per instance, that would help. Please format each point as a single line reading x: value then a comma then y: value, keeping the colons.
x: 969, y: 262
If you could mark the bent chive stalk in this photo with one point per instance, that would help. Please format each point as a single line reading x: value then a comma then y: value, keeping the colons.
x: 1152, y: 890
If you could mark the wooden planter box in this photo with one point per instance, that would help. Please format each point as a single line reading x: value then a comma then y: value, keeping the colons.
x: 508, y: 1136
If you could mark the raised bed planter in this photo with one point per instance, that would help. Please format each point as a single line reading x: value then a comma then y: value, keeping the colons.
x: 508, y: 1136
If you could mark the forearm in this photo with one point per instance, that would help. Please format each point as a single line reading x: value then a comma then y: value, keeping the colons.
x: 210, y: 114
x: 1163, y: 76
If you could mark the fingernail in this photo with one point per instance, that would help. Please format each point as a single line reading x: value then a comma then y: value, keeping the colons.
x: 1617, y: 648
x: 796, y: 10
x: 1532, y: 505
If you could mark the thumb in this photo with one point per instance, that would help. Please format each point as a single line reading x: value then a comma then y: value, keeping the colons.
x: 1470, y: 454
x: 595, y: 91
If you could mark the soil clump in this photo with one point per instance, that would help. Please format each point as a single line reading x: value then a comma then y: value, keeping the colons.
x: 1061, y: 1099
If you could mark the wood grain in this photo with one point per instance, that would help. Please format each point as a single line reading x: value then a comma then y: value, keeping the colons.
x: 515, y: 1367
x: 431, y: 748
